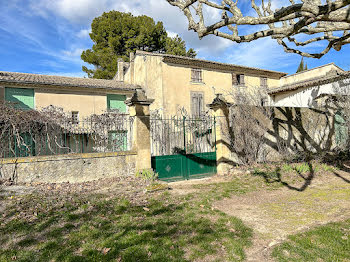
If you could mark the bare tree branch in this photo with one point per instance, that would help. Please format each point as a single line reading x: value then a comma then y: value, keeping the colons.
x: 302, y: 18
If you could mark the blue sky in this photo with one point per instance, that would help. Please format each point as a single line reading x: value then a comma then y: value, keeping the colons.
x: 48, y: 36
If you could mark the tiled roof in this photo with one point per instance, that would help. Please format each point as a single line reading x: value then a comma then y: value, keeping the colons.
x: 209, y: 64
x: 63, y: 81
x: 329, y: 78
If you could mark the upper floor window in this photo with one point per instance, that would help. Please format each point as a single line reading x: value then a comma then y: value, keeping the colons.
x: 75, y: 117
x: 116, y: 102
x: 196, y: 75
x: 237, y: 79
x: 263, y: 81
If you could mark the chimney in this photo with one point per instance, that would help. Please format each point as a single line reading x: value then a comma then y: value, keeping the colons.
x: 131, y: 68
x: 132, y: 56
x: 120, y: 72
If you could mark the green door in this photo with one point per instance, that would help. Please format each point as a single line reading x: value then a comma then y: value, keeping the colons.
x: 22, y: 98
x: 184, y: 166
x: 116, y: 102
x: 183, y: 148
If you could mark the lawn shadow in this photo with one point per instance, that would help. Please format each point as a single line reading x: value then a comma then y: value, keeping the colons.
x: 276, y: 177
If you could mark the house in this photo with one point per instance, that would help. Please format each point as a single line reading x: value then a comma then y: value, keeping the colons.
x: 310, y: 88
x: 177, y: 82
x: 81, y: 97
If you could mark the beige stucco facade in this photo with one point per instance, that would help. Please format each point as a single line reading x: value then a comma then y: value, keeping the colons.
x: 167, y: 79
x: 82, y: 100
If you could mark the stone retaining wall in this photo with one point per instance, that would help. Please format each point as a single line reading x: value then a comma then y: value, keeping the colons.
x: 68, y: 168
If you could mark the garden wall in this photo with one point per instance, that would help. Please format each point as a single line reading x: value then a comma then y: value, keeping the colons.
x: 273, y: 133
x: 68, y: 168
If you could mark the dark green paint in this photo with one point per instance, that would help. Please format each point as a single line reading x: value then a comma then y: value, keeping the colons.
x: 184, y: 166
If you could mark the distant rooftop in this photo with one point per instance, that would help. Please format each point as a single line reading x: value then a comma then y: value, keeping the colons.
x: 315, y: 68
x: 316, y: 81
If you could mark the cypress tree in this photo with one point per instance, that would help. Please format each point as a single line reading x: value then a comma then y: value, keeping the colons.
x: 301, y: 65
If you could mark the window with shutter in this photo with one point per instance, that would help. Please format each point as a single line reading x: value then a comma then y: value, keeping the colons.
x: 240, y: 79
x: 22, y: 98
x: 263, y: 82
x: 116, y: 102
x: 197, y: 103
x: 75, y: 117
x: 196, y: 75
x: 234, y: 79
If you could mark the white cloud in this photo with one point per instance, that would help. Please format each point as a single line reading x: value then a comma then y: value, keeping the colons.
x: 171, y: 34
x: 73, y: 53
x: 263, y: 53
x: 84, y: 33
x: 83, y: 11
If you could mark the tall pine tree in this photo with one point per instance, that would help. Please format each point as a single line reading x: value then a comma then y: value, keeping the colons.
x: 116, y: 34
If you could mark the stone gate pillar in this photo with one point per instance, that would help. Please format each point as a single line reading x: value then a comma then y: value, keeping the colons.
x: 220, y: 109
x: 139, y: 108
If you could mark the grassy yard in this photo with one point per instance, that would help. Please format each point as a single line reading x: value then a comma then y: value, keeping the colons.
x: 330, y: 242
x: 100, y: 228
x: 52, y: 225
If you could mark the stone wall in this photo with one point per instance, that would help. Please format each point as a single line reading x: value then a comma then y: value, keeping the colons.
x: 284, y: 132
x: 69, y: 168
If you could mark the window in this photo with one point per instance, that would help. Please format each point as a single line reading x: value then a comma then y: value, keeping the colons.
x: 234, y: 79
x: 197, y: 103
x: 240, y: 79
x: 116, y: 102
x: 118, y: 140
x: 264, y: 101
x: 263, y: 82
x: 75, y: 117
x: 21, y: 98
x: 196, y: 75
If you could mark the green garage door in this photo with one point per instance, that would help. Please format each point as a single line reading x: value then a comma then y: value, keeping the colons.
x: 116, y: 102
x: 22, y: 98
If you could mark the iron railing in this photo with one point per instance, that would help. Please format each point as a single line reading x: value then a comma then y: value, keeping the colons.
x: 181, y: 134
x: 109, y: 135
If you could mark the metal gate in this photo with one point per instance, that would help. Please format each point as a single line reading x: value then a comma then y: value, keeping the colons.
x: 183, y: 147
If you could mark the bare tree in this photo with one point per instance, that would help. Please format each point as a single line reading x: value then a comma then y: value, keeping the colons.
x: 51, y: 131
x: 308, y: 20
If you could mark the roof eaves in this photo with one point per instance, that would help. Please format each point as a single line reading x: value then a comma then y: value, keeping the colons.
x: 13, y: 81
x: 181, y: 59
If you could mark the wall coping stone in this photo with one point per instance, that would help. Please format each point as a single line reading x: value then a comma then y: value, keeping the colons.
x: 65, y: 157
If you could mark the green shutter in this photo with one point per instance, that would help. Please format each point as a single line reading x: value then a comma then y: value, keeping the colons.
x: 118, y: 140
x: 116, y: 102
x: 22, y: 98
x: 341, y: 131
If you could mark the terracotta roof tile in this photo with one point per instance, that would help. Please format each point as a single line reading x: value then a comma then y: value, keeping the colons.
x: 25, y: 78
x: 209, y: 64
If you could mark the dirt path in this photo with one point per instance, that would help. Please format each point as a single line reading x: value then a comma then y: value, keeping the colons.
x: 274, y: 215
